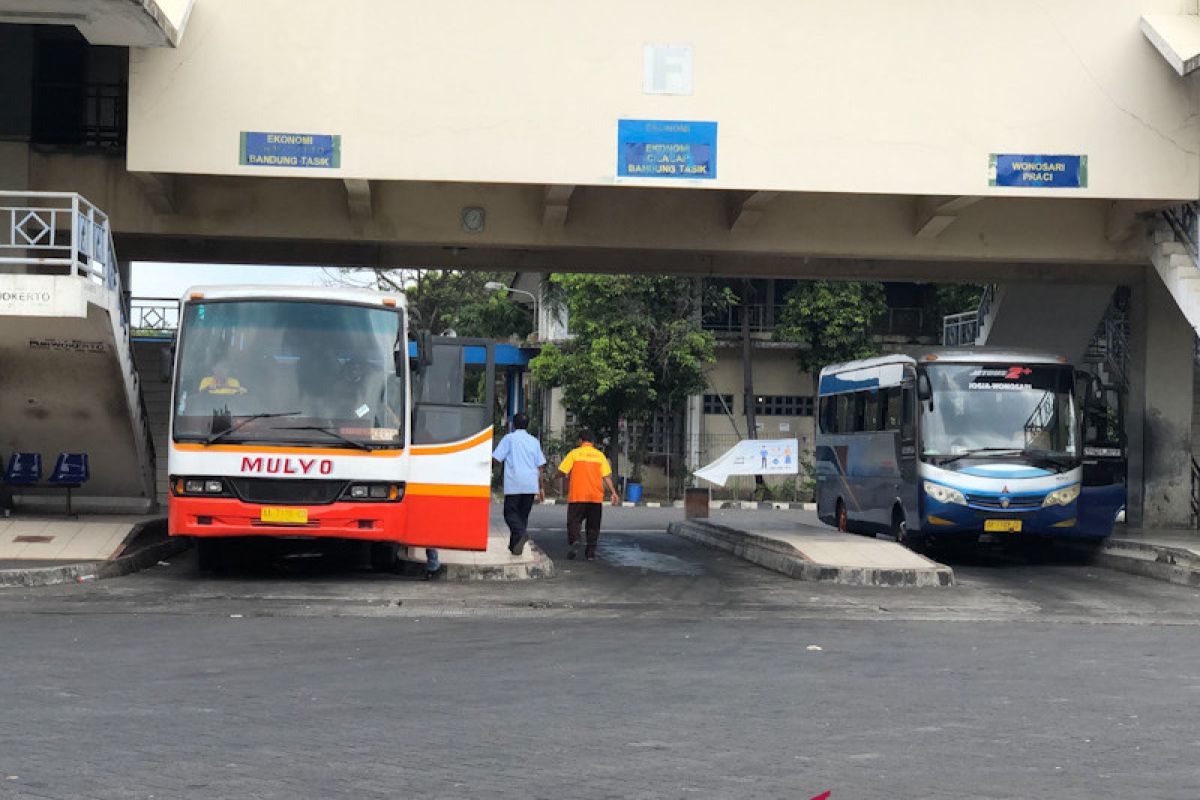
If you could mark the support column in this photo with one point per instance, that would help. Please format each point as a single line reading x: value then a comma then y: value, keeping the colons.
x: 1159, y: 418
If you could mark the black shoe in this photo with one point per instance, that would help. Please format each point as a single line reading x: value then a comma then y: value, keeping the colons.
x: 573, y: 551
x: 519, y: 546
x: 435, y: 574
x: 590, y: 555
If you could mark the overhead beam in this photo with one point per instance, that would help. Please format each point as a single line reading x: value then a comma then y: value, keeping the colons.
x: 556, y: 205
x: 358, y: 199
x: 933, y: 215
x: 746, y: 209
x: 159, y: 190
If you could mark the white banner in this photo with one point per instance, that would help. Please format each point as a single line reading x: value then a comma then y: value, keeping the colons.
x: 753, y: 457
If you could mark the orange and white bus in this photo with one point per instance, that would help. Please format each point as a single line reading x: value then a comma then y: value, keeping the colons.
x: 304, y: 412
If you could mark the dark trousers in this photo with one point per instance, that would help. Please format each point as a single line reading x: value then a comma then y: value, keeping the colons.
x: 577, y: 515
x: 516, y: 514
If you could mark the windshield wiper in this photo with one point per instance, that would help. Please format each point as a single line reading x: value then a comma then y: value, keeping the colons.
x: 329, y: 431
x: 216, y: 437
x: 1014, y: 451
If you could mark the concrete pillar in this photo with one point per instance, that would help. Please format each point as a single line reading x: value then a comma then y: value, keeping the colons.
x: 1159, y: 417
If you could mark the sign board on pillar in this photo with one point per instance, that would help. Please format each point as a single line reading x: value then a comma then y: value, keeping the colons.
x: 299, y: 150
x: 667, y: 149
x: 1037, y: 172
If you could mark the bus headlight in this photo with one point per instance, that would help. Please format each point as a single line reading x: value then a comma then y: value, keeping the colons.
x: 944, y: 494
x: 376, y: 492
x: 1062, y: 497
x: 211, y: 487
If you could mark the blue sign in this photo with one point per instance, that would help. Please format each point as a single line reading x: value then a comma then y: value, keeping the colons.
x: 1037, y: 172
x: 648, y: 148
x: 304, y: 150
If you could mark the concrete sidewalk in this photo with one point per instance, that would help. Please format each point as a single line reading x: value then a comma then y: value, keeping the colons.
x: 808, y: 552
x: 1166, y: 555
x: 37, y: 551
x: 494, y: 564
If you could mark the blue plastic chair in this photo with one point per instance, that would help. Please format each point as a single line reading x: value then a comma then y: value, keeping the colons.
x: 70, y: 472
x: 24, y: 469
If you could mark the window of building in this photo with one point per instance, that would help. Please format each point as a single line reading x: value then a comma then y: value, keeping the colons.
x: 718, y: 403
x: 783, y: 405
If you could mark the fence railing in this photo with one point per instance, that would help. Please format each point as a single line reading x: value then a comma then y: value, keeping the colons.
x: 53, y: 233
x: 762, y: 318
x: 960, y: 330
x: 1185, y: 221
x: 154, y: 317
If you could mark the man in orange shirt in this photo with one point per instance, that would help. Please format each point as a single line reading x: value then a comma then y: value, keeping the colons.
x: 588, y: 472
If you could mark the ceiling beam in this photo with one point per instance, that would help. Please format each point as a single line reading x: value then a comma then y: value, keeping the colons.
x: 556, y: 204
x: 358, y: 199
x: 159, y: 190
x: 746, y: 209
x: 932, y: 215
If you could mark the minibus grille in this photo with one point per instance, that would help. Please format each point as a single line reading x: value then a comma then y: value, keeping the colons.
x: 992, y: 502
x: 287, y: 492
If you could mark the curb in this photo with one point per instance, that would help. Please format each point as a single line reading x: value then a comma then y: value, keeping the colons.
x: 98, y: 570
x: 745, y: 505
x: 538, y: 566
x: 783, y: 558
x: 1158, y: 561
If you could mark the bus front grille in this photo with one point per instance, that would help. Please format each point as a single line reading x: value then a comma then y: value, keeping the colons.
x: 994, y: 503
x: 287, y: 492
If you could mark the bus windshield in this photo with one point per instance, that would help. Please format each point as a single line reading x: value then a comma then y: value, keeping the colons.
x: 307, y: 373
x: 993, y: 410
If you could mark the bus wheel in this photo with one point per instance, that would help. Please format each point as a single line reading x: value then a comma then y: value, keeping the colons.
x: 384, y: 557
x: 843, y: 519
x: 210, y: 555
x: 900, y: 532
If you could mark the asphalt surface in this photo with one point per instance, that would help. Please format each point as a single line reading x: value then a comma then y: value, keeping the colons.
x: 662, y: 670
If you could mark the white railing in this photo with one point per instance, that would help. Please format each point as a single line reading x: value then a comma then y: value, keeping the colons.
x: 57, y: 233
x: 960, y: 330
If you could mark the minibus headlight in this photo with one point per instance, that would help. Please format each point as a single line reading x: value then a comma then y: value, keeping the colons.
x: 1062, y: 497
x: 378, y: 492
x: 193, y: 486
x: 198, y: 486
x: 944, y: 494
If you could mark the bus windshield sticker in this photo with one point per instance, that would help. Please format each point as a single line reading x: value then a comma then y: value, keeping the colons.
x: 384, y: 434
x: 362, y: 411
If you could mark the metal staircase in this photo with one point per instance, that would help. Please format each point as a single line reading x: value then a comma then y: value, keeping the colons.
x: 68, y: 381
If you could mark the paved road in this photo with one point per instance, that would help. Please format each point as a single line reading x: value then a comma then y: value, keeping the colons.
x: 662, y: 670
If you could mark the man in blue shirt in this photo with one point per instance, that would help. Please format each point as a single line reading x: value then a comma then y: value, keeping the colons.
x: 523, y: 466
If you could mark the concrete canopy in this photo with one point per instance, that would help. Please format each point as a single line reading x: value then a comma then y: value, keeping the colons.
x: 128, y: 23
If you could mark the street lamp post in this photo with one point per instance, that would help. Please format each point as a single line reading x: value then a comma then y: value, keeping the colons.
x: 496, y: 286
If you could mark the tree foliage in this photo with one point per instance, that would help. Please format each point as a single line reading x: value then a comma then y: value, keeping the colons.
x: 635, y: 349
x: 833, y: 318
x: 451, y: 300
x: 956, y: 298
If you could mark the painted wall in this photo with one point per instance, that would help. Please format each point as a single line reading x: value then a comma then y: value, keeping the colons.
x: 863, y: 96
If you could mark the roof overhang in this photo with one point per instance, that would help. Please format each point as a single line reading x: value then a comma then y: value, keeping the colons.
x: 1177, y: 38
x: 127, y: 23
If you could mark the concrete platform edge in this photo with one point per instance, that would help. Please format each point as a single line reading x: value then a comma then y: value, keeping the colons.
x: 780, y: 557
x: 1148, y: 560
x: 125, y: 564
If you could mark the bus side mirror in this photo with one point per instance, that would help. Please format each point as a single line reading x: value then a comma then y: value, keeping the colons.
x: 424, y: 347
x: 924, y: 390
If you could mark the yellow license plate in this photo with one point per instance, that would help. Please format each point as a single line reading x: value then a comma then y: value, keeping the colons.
x: 1002, y: 525
x: 284, y: 516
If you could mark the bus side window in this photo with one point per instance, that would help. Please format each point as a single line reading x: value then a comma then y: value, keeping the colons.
x: 871, y: 410
x: 893, y: 409
x: 907, y: 427
x: 828, y: 415
x: 859, y: 412
x: 845, y: 408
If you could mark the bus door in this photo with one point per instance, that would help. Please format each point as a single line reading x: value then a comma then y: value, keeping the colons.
x: 908, y: 456
x: 450, y: 469
x: 1103, y: 490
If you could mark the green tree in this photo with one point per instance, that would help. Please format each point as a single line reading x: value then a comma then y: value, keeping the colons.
x: 637, y: 348
x: 956, y: 298
x: 834, y: 319
x: 444, y: 300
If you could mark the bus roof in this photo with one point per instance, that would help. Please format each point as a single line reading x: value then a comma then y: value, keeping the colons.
x: 333, y: 294
x: 888, y: 370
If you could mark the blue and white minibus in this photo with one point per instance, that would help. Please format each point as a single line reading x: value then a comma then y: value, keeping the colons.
x: 973, y: 444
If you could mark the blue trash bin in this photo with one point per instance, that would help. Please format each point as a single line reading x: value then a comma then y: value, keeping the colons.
x: 633, y: 492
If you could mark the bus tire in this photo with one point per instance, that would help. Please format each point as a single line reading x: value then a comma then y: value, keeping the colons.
x: 210, y: 555
x: 384, y: 556
x: 843, y: 518
x: 900, y: 532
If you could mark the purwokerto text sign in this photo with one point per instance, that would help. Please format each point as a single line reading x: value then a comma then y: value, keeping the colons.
x: 1037, y: 172
x: 300, y: 150
x: 672, y: 149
